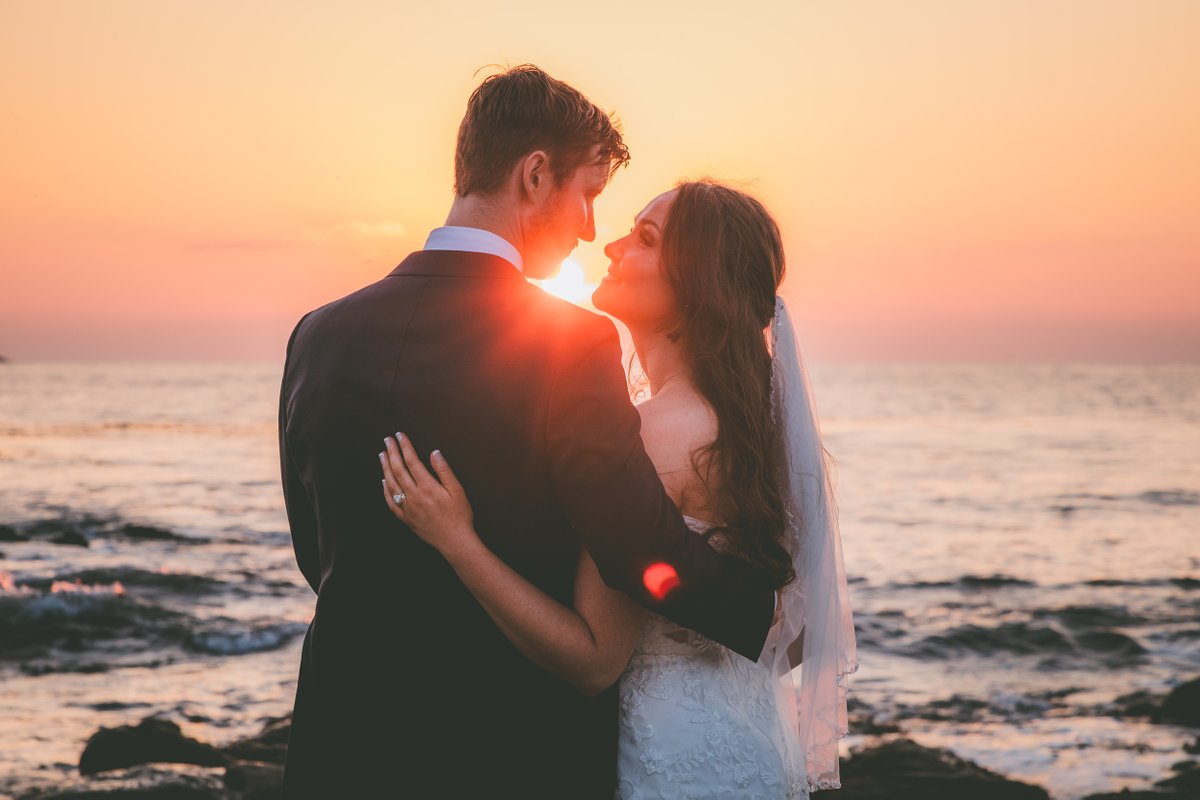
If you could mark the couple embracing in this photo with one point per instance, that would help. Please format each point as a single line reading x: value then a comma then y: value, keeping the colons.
x: 559, y: 594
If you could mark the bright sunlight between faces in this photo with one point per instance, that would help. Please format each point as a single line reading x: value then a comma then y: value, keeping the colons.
x: 570, y: 284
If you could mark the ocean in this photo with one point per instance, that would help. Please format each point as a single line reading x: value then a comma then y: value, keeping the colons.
x: 1022, y: 543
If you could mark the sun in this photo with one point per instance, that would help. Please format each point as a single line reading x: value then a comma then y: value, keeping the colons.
x: 570, y: 284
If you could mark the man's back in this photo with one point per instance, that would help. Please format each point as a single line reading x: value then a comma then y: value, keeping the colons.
x: 405, y: 680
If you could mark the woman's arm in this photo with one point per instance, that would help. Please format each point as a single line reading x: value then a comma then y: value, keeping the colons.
x: 587, y: 646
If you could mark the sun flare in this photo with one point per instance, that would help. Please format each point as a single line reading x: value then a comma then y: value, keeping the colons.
x: 570, y: 284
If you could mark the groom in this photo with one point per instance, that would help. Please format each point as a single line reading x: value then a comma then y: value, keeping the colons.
x: 407, y: 689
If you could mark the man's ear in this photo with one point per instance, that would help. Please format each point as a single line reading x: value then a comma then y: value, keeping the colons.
x: 535, y: 175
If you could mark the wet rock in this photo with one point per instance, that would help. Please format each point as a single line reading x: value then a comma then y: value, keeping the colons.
x: 140, y: 783
x: 255, y: 780
x: 1182, y: 705
x: 1186, y: 781
x: 901, y: 769
x: 269, y: 746
x: 151, y: 740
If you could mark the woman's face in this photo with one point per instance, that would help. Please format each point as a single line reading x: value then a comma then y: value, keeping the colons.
x: 635, y: 290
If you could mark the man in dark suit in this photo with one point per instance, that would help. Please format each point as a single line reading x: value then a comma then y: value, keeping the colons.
x: 407, y: 689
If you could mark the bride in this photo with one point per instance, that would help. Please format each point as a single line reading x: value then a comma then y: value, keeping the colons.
x: 731, y: 428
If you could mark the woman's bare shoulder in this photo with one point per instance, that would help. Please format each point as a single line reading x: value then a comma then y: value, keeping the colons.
x: 674, y: 428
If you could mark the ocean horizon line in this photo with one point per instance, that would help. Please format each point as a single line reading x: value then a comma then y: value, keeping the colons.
x: 6, y: 360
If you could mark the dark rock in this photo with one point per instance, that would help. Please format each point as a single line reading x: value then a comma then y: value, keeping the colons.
x: 1193, y: 748
x: 1182, y: 705
x: 151, y: 740
x: 1186, y: 781
x: 255, y: 781
x: 901, y: 769
x: 269, y: 746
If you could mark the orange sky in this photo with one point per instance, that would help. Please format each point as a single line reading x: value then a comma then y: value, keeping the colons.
x: 1012, y: 180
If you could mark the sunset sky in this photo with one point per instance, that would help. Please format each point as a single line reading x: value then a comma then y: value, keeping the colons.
x: 966, y: 181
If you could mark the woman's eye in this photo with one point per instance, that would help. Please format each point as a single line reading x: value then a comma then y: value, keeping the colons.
x: 646, y: 240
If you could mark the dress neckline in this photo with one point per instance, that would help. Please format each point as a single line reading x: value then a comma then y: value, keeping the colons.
x: 701, y: 522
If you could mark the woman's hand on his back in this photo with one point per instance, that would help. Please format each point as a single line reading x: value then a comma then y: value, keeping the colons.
x: 435, y: 508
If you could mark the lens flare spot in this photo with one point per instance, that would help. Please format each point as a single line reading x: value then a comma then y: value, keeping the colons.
x: 660, y: 579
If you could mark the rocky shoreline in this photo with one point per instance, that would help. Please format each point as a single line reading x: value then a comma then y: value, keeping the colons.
x: 154, y: 760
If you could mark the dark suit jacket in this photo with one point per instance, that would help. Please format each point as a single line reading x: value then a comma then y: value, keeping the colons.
x: 407, y: 689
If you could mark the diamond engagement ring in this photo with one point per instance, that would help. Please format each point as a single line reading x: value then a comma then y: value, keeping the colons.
x: 399, y: 498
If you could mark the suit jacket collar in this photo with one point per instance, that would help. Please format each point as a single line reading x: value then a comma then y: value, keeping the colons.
x: 457, y: 264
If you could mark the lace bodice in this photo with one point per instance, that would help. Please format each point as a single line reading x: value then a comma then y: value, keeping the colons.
x: 696, y: 719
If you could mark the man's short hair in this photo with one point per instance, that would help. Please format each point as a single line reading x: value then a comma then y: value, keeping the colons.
x: 514, y: 113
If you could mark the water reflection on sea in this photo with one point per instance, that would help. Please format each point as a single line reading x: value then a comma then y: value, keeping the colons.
x: 1021, y: 541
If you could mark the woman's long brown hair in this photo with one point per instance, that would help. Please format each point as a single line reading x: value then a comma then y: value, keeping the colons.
x: 723, y: 256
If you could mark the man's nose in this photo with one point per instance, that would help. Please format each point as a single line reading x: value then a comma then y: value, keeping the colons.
x: 589, y: 228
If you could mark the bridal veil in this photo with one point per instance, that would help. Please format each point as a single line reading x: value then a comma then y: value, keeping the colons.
x: 811, y: 649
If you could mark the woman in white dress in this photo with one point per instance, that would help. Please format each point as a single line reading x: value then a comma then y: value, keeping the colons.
x: 730, y: 426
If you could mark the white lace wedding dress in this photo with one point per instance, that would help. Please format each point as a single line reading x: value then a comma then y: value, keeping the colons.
x: 697, y: 720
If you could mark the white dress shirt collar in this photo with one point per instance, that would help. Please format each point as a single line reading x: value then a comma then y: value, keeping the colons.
x: 473, y: 240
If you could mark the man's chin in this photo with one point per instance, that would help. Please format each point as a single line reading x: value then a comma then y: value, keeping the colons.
x: 539, y: 270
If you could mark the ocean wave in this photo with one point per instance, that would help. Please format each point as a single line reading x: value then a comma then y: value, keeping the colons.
x: 1111, y: 648
x: 238, y: 638
x: 174, y: 582
x: 1088, y: 617
x: 102, y: 428
x: 967, y: 582
x: 74, y: 618
x: 1006, y: 707
x: 80, y: 627
x: 80, y: 530
x: 1183, y: 582
x: 1069, y: 503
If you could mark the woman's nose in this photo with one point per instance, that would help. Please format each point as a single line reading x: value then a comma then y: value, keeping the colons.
x: 612, y: 249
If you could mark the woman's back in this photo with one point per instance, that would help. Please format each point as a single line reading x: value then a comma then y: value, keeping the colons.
x: 695, y: 719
